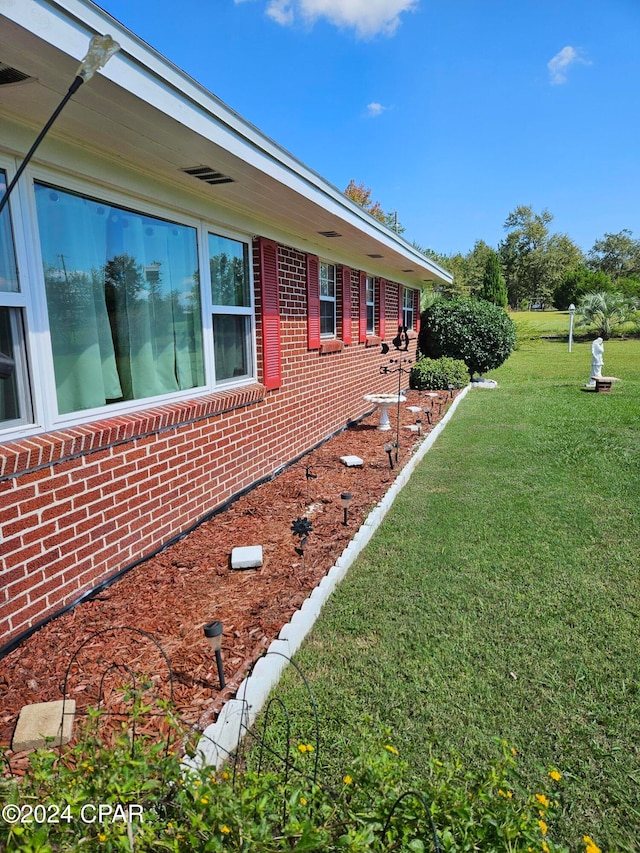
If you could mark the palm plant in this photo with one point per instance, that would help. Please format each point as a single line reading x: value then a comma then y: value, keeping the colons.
x: 605, y: 312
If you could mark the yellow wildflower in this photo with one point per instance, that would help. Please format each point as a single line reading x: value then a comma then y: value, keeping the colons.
x: 224, y: 829
x: 514, y: 751
x: 555, y: 775
x: 347, y: 780
x: 309, y: 748
x: 506, y: 794
x: 543, y: 800
x: 204, y: 800
x: 591, y: 846
x: 543, y: 827
x: 303, y: 801
x: 101, y: 837
x: 302, y: 747
x: 545, y: 847
x: 391, y: 749
x: 224, y: 774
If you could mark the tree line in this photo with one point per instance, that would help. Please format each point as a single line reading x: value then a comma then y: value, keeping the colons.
x: 536, y: 266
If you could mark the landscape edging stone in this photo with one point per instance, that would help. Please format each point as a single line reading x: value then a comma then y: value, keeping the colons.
x: 220, y: 739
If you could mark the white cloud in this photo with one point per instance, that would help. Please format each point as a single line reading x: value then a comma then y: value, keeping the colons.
x: 366, y: 17
x: 375, y: 109
x: 559, y: 64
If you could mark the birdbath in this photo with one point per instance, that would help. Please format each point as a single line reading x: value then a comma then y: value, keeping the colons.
x: 384, y: 403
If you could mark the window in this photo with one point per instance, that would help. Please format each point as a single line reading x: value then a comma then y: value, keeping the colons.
x: 407, y: 308
x: 327, y: 299
x: 370, y: 298
x: 15, y: 401
x: 232, y: 309
x: 123, y: 296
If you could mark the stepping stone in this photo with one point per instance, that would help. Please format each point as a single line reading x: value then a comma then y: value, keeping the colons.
x: 412, y: 427
x: 352, y: 461
x: 414, y: 409
x: 246, y: 557
x: 44, y: 720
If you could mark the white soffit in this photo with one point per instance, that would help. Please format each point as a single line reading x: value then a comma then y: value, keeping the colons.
x: 145, y: 110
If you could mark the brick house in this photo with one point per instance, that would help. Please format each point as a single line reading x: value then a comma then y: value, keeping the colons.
x: 186, y: 308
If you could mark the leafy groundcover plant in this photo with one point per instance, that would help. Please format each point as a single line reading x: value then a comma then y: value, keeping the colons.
x: 123, y: 796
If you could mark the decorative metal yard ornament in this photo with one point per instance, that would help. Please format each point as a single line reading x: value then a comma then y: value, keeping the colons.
x: 301, y: 527
x: 101, y: 49
x: 213, y: 633
x: 399, y: 370
x: 401, y: 341
x: 345, y: 500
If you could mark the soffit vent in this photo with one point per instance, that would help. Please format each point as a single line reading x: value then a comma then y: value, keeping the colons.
x: 208, y: 175
x: 329, y: 234
x: 9, y: 75
x: 375, y: 256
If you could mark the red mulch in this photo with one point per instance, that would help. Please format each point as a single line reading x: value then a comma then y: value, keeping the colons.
x: 172, y: 595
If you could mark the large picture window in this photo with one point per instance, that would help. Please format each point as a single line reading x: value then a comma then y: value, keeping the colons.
x: 123, y: 295
x: 327, y: 299
x: 231, y: 306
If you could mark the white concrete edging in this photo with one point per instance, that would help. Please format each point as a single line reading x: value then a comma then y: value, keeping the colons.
x: 221, y: 738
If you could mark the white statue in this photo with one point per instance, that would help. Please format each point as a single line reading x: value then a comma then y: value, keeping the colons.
x: 597, y: 359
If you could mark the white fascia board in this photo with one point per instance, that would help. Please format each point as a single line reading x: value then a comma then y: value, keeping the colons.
x: 145, y: 73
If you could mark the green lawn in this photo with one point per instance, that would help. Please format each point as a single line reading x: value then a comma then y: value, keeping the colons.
x: 501, y: 596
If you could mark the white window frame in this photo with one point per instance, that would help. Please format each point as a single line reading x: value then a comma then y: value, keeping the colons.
x: 327, y: 298
x: 32, y: 298
x: 235, y: 310
x: 21, y: 309
x: 370, y: 300
x: 407, y: 307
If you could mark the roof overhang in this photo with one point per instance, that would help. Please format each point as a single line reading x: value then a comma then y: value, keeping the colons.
x: 147, y: 113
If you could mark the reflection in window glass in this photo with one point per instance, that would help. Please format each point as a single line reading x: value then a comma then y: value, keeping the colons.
x: 9, y: 395
x: 124, y: 301
x: 8, y: 269
x: 232, y: 311
x: 370, y: 305
x: 231, y: 345
x: 229, y: 264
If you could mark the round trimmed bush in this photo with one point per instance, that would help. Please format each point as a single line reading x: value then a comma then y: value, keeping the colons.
x: 436, y: 374
x: 474, y: 330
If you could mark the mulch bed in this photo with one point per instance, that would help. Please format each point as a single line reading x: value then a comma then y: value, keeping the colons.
x: 172, y: 595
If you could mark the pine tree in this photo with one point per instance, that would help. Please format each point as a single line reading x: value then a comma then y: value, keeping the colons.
x: 493, y: 287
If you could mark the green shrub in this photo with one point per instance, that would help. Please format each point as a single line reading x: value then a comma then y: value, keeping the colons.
x: 476, y: 331
x: 372, y: 807
x: 436, y: 374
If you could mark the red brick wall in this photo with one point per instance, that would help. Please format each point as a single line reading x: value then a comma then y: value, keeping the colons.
x: 78, y: 505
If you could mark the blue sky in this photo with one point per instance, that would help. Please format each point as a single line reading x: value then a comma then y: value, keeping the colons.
x: 453, y: 112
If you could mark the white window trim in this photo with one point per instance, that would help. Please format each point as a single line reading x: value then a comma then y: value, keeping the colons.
x: 408, y: 306
x: 234, y: 310
x: 372, y: 303
x: 32, y: 298
x: 333, y: 299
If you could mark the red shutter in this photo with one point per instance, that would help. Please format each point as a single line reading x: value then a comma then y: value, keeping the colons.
x: 270, y: 298
x: 382, y: 295
x: 400, y: 305
x: 346, y: 305
x: 362, y: 308
x: 416, y: 310
x: 313, y: 302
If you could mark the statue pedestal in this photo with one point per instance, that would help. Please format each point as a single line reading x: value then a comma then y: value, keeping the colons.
x: 603, y: 384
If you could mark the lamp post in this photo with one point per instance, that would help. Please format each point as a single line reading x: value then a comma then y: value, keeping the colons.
x: 101, y: 49
x: 572, y: 311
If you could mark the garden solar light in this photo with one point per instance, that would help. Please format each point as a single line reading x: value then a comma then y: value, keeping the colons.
x: 387, y: 449
x: 419, y: 423
x: 428, y: 414
x: 345, y: 500
x: 101, y: 49
x: 450, y: 387
x: 213, y: 633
